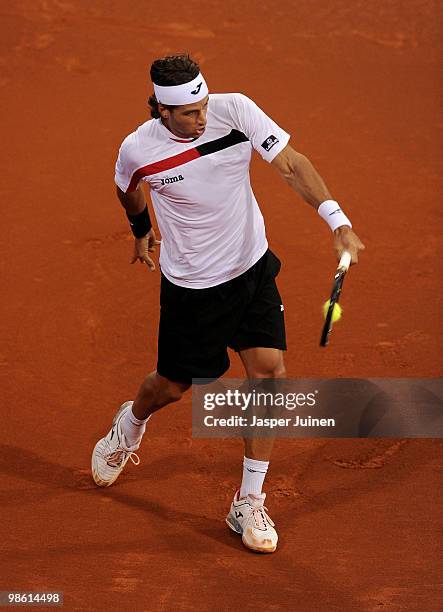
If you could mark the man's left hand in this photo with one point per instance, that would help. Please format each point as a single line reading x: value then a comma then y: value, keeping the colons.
x: 144, y: 246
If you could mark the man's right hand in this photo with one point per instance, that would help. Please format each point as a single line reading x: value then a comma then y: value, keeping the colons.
x: 142, y: 248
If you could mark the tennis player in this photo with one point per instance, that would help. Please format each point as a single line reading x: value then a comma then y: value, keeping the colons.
x: 218, y: 287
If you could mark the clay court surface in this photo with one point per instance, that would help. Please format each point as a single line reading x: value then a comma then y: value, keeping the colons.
x: 358, y: 85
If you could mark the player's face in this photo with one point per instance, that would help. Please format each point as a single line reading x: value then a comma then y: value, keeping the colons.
x: 187, y: 121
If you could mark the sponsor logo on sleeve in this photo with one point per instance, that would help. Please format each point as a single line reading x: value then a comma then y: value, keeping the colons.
x: 269, y: 142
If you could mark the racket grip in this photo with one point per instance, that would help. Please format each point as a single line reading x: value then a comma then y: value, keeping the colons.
x: 345, y: 260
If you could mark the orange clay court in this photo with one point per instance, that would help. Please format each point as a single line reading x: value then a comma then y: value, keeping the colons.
x: 358, y: 86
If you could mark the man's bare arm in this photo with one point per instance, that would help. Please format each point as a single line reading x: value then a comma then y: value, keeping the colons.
x: 134, y: 203
x: 301, y: 175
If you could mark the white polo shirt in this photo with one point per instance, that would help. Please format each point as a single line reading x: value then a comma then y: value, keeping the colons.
x: 211, y: 225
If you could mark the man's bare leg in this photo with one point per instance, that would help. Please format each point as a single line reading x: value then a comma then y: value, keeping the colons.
x: 248, y: 515
x: 262, y: 363
x: 155, y: 392
x: 112, y: 452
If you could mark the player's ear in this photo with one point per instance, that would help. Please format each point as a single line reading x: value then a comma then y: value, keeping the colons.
x: 163, y: 110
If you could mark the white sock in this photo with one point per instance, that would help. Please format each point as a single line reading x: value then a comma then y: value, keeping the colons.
x: 254, y: 472
x: 133, y: 428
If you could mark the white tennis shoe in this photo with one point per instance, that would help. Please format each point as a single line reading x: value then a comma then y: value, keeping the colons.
x: 248, y: 517
x: 111, y: 454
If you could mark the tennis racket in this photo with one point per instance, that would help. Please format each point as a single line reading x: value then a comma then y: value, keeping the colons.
x: 343, y: 267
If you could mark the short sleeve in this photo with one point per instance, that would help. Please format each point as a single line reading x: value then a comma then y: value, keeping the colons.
x: 267, y: 138
x: 125, y: 165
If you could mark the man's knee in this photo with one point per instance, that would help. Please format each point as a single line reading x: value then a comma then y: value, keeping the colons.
x: 167, y: 391
x: 175, y: 391
x: 280, y: 371
x: 272, y: 367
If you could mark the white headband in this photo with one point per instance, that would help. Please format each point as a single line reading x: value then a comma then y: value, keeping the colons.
x: 188, y: 93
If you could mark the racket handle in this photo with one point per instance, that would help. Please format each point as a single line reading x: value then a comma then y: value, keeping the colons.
x: 345, y: 260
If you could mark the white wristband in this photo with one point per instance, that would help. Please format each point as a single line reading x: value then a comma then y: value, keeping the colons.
x: 331, y: 212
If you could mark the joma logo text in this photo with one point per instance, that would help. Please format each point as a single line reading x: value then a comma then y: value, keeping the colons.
x: 171, y: 179
x: 195, y: 91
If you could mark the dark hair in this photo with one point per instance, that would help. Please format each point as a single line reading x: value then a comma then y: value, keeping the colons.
x: 171, y: 70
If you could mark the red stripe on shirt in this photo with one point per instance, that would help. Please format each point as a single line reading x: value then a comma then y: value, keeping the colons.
x: 160, y: 166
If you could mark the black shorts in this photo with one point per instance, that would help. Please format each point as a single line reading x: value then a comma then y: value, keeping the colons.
x: 198, y: 325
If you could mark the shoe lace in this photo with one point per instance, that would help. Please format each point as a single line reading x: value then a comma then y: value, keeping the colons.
x: 261, y: 519
x: 116, y: 458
